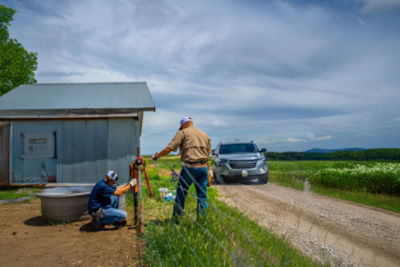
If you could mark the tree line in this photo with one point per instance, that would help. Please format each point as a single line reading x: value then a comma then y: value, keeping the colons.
x: 386, y: 154
x: 17, y: 65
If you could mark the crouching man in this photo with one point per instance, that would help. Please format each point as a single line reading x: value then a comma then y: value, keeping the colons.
x: 104, y: 201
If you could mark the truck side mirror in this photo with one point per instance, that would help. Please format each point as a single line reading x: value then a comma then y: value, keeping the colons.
x: 213, y: 152
x: 263, y: 150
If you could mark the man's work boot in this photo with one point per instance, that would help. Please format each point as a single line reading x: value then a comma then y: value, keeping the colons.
x: 120, y: 223
x: 96, y: 226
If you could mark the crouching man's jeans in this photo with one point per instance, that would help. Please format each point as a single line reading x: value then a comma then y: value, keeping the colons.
x: 112, y: 213
x: 198, y: 176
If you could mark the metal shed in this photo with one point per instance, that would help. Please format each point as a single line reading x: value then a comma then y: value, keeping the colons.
x: 71, y: 132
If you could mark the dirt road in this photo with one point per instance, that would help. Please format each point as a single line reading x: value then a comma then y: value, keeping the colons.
x: 26, y: 239
x: 327, y: 229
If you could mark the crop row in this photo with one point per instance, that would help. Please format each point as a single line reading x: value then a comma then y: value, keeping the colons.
x: 368, y: 176
x: 371, y: 177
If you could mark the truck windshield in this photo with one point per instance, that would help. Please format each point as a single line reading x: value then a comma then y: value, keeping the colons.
x: 238, y: 148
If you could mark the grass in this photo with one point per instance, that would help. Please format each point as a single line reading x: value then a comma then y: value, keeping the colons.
x: 383, y: 201
x: 226, y: 237
x: 15, y: 193
x: 372, y: 177
x: 291, y: 179
x: 362, y: 182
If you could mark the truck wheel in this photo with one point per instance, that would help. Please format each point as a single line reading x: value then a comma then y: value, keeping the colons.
x: 219, y: 179
x: 263, y: 179
x: 214, y: 178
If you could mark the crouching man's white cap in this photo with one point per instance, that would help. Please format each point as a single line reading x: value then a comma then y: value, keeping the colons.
x: 112, y: 175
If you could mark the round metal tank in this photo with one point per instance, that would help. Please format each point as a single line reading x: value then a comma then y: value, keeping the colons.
x: 68, y: 203
x: 64, y: 204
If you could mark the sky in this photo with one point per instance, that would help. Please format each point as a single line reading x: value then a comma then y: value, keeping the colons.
x: 290, y: 75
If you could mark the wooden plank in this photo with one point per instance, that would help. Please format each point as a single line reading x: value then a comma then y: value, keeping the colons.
x: 5, y: 154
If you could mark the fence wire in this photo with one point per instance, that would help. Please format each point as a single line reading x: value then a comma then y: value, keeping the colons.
x: 220, y: 240
x: 162, y: 218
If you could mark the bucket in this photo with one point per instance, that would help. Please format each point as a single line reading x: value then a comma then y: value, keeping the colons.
x: 163, y: 192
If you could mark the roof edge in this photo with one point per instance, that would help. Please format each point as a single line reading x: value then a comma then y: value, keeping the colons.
x: 70, y: 113
x: 68, y: 116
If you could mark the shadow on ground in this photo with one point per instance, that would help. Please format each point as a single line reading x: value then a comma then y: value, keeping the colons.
x: 250, y: 182
x: 88, y: 227
x: 37, y: 221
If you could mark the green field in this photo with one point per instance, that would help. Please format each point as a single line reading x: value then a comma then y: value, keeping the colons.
x: 226, y: 238
x: 367, y: 182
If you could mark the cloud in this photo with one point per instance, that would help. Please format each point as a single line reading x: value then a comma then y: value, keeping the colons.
x: 312, y: 137
x: 296, y: 140
x: 373, y: 6
x: 283, y: 74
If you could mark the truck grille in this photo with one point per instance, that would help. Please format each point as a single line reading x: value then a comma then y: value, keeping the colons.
x: 243, y: 164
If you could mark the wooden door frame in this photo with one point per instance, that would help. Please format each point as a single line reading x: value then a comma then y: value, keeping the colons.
x: 5, y: 150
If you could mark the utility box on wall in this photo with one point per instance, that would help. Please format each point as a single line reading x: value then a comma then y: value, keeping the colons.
x: 76, y: 133
x: 39, y: 145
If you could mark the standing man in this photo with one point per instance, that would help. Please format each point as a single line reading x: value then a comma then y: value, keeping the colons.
x: 195, y: 148
x: 104, y: 201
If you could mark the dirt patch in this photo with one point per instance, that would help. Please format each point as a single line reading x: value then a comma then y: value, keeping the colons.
x: 327, y: 229
x: 28, y: 240
x: 160, y: 171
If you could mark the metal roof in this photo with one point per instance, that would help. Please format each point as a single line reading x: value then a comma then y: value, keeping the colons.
x: 76, y: 98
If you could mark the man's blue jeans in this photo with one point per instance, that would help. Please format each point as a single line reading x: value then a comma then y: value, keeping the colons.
x: 198, y: 176
x: 112, y: 213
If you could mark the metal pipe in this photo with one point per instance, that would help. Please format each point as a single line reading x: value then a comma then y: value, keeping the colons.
x: 141, y: 225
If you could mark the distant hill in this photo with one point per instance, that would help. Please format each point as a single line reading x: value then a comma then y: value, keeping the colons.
x: 321, y: 150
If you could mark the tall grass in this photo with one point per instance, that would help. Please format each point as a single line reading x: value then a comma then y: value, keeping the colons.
x: 227, y: 237
x: 372, y: 177
x: 369, y: 177
x: 372, y: 183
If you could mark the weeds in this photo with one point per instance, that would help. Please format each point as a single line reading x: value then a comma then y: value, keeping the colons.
x: 227, y: 237
x: 372, y: 183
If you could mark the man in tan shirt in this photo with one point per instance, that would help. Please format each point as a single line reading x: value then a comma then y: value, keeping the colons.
x: 195, y: 148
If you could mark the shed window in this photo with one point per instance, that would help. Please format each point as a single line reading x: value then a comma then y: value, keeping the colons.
x: 39, y: 145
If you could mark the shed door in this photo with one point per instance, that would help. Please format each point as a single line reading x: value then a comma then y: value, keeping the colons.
x: 4, y: 153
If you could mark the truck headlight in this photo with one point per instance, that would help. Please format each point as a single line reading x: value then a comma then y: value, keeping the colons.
x: 264, y: 169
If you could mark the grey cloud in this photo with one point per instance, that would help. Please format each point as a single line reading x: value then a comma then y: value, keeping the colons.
x: 267, y: 71
x: 372, y: 6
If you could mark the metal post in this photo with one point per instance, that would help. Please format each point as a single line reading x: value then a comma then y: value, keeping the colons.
x: 141, y: 204
x: 141, y: 207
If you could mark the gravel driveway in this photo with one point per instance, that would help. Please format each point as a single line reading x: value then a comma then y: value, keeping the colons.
x: 327, y: 229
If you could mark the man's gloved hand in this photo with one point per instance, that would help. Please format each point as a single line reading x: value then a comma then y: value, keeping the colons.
x: 154, y: 157
x: 132, y: 182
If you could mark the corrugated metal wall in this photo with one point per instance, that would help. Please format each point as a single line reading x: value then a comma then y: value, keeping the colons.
x: 85, y: 150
